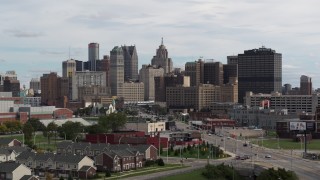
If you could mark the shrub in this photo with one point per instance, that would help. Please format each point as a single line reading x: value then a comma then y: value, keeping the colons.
x: 149, y: 163
x: 160, y: 162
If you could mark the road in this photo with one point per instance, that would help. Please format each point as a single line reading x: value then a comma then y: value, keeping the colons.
x: 305, y: 169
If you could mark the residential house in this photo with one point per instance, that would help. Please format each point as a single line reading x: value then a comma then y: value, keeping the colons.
x: 13, y: 171
x: 8, y: 142
x: 79, y: 166
x: 7, y: 155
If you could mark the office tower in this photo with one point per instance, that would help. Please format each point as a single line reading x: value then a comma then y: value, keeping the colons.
x: 105, y: 67
x: 79, y: 65
x: 286, y: 89
x: 116, y: 70
x: 53, y: 89
x: 169, y: 80
x: 232, y: 59
x: 305, y: 85
x: 195, y: 71
x: 89, y: 80
x: 35, y: 85
x: 230, y: 70
x: 147, y: 75
x: 130, y: 63
x: 213, y: 73
x: 68, y: 68
x: 259, y: 71
x: 93, y: 55
x: 133, y: 91
x: 12, y: 85
x: 161, y: 59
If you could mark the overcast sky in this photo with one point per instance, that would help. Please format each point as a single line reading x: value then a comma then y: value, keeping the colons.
x: 35, y: 36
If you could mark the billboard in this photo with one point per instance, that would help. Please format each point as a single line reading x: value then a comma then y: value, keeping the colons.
x: 299, y: 126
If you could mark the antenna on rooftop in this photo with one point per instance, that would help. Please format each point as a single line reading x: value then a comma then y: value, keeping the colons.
x: 162, y: 41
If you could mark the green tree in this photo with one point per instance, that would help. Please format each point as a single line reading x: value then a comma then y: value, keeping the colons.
x: 28, y: 133
x: 95, y: 129
x: 36, y: 124
x: 70, y: 129
x: 3, y: 128
x: 114, y: 121
x: 220, y: 171
x: 13, y: 125
x: 277, y: 174
x: 51, y: 130
x: 160, y: 162
x: 61, y: 178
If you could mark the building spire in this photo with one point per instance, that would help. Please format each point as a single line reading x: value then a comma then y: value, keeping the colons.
x: 162, y: 41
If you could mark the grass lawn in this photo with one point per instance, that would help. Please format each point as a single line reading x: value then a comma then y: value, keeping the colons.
x: 41, y: 141
x: 287, y: 144
x: 193, y: 175
x: 143, y: 171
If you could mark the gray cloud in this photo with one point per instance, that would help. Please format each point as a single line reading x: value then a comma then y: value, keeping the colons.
x: 24, y: 34
x: 2, y: 60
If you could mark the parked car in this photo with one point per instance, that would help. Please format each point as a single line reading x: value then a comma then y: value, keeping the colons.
x: 237, y: 157
x: 245, y: 145
x: 267, y: 156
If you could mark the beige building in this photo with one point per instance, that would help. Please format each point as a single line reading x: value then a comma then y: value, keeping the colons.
x: 229, y: 92
x: 195, y: 97
x: 133, y: 92
x: 147, y: 74
x: 154, y: 127
x: 87, y: 79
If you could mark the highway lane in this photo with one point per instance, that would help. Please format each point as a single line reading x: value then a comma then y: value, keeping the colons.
x: 305, y: 169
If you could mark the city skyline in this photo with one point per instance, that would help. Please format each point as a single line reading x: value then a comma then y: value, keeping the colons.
x: 36, y: 40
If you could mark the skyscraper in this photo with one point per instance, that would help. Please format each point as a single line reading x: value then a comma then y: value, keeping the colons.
x: 93, y: 55
x: 147, y: 75
x: 305, y: 85
x: 161, y: 59
x: 259, y: 71
x: 213, y: 73
x: 230, y: 70
x: 130, y: 62
x: 69, y: 68
x: 116, y: 70
x: 195, y: 71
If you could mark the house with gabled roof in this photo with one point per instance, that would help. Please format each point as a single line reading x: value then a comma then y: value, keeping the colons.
x: 78, y: 166
x: 13, y: 171
x: 8, y: 142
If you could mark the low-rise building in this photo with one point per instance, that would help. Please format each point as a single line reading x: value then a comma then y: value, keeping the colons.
x: 13, y: 171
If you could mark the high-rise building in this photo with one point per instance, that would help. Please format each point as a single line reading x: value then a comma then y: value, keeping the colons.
x: 93, y: 55
x: 130, y: 63
x: 12, y: 85
x: 195, y: 71
x: 147, y: 75
x: 259, y: 71
x: 105, y: 67
x: 87, y: 79
x: 53, y: 89
x: 161, y: 59
x: 230, y: 70
x: 116, y: 70
x: 213, y: 73
x: 133, y: 91
x: 35, y: 85
x: 169, y: 80
x: 305, y: 85
x: 69, y: 68
x: 79, y: 65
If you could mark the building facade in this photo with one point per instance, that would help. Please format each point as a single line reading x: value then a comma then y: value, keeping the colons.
x: 195, y: 71
x: 133, y: 91
x: 93, y: 55
x: 259, y: 71
x: 147, y: 75
x: 161, y: 59
x: 130, y: 63
x: 213, y: 73
x: 116, y: 70
x: 305, y: 85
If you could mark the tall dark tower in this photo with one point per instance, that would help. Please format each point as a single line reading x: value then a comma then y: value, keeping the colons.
x: 161, y: 59
x: 259, y: 71
x: 93, y: 56
x: 213, y: 73
x: 305, y: 85
x: 130, y: 62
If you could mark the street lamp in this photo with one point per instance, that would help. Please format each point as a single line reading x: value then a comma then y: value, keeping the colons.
x: 22, y: 139
x: 120, y: 139
x: 65, y: 136
x: 34, y: 138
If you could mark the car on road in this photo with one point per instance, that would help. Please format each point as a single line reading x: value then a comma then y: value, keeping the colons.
x: 245, y: 145
x: 209, y: 134
x: 237, y: 157
x: 267, y: 156
x: 228, y: 137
